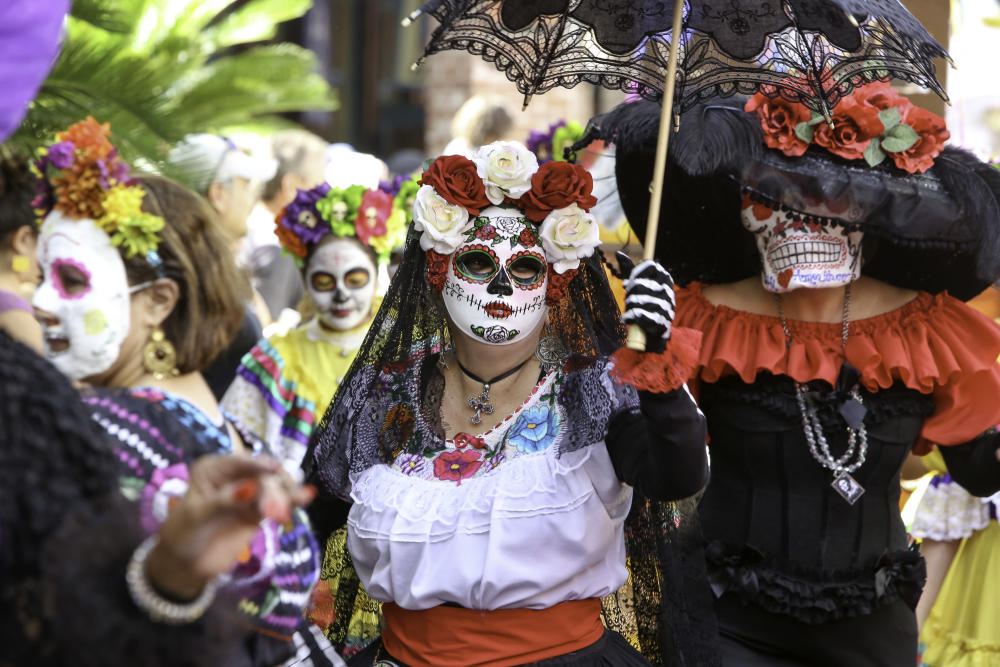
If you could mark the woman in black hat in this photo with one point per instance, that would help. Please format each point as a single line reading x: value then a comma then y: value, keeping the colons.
x: 825, y: 265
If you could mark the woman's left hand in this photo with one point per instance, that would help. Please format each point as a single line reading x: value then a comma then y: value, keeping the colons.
x: 649, y: 300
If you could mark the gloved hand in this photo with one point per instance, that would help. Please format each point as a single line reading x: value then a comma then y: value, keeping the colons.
x: 649, y: 300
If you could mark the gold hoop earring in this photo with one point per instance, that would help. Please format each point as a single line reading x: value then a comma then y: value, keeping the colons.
x: 20, y: 264
x: 159, y: 356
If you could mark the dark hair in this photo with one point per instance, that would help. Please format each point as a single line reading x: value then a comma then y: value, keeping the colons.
x: 195, y: 255
x: 17, y: 189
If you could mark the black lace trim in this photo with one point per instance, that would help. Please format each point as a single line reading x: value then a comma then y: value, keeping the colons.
x: 814, y: 596
x: 776, y: 395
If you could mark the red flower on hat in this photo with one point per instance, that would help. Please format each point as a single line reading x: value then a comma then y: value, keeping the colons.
x: 455, y: 179
x: 854, y: 126
x: 880, y: 95
x: 375, y: 209
x: 919, y: 157
x: 557, y: 185
x: 778, y: 119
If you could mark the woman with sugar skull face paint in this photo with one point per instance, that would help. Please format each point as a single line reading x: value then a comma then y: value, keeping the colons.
x: 137, y: 297
x: 825, y: 288
x: 484, y: 447
x: 339, y: 237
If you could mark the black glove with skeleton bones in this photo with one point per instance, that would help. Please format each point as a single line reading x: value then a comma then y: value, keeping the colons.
x: 649, y: 300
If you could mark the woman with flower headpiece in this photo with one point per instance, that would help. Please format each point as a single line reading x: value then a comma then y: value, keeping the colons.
x: 137, y: 297
x: 824, y: 263
x: 338, y: 237
x: 18, y: 267
x: 484, y: 447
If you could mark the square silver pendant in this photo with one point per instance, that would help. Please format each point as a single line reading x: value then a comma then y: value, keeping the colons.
x: 847, y: 487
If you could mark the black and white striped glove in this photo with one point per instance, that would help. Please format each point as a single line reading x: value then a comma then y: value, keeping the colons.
x: 649, y: 300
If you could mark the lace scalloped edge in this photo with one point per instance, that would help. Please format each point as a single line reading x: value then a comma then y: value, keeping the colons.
x: 948, y: 512
x: 659, y: 372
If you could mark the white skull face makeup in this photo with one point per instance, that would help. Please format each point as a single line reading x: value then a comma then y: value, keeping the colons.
x: 86, y: 288
x: 802, y: 250
x: 340, y: 278
x: 495, y: 291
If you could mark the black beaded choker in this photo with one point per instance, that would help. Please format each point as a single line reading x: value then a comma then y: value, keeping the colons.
x: 482, y: 404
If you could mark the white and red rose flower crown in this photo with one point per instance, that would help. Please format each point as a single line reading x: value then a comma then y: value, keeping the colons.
x: 555, y: 198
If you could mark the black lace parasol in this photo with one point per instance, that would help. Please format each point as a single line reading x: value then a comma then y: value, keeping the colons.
x: 808, y: 51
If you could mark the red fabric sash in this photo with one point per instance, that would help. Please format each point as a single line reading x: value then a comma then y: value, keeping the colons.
x: 455, y: 637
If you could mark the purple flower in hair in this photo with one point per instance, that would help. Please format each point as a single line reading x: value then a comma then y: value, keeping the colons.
x: 392, y: 187
x: 540, y: 143
x: 303, y: 218
x: 61, y: 155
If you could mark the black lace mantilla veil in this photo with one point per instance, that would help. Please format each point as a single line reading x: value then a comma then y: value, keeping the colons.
x: 410, y: 330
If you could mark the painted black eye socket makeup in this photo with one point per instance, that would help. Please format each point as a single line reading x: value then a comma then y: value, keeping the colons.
x: 476, y: 265
x: 323, y: 282
x: 526, y: 270
x: 356, y: 278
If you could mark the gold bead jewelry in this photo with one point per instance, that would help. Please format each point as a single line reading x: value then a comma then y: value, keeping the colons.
x: 20, y: 264
x: 159, y: 356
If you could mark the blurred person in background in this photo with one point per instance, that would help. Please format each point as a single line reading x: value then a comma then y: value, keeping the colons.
x: 478, y: 122
x: 139, y: 295
x: 225, y: 175
x: 301, y: 165
x: 19, y: 272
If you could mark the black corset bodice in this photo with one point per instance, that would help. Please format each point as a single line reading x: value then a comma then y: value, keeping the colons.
x: 778, y: 534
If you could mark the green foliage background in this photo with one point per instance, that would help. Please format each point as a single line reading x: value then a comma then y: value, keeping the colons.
x: 160, y: 69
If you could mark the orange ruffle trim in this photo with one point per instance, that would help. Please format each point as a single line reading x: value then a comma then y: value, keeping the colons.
x: 661, y: 372
x: 934, y: 344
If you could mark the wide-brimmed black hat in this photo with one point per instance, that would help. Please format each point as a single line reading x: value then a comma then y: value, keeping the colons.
x: 937, y: 231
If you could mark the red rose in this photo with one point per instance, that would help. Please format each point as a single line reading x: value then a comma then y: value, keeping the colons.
x: 778, y: 119
x: 854, y: 126
x: 437, y: 269
x: 557, y: 185
x: 880, y: 95
x: 486, y: 233
x: 455, y: 179
x: 527, y: 237
x: 919, y: 157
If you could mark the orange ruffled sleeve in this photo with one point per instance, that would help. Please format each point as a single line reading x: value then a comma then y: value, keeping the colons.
x: 934, y: 344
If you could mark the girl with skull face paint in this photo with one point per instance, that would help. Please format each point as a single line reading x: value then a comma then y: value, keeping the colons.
x: 339, y: 237
x: 825, y: 289
x: 484, y: 447
x: 137, y: 293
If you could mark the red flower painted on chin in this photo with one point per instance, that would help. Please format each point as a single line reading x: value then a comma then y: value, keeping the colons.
x: 464, y: 440
x: 456, y: 466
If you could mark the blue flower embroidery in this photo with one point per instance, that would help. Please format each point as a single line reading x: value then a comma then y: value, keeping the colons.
x: 535, y: 430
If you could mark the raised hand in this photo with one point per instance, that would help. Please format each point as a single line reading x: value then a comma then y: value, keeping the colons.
x: 649, y: 300
x: 208, y: 529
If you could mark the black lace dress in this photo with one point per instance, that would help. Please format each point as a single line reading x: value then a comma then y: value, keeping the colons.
x: 800, y: 575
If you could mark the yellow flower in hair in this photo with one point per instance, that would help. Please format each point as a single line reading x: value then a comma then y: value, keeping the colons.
x: 120, y: 202
x: 137, y: 234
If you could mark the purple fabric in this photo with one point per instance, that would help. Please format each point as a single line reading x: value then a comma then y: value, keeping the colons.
x: 11, y: 301
x: 29, y: 42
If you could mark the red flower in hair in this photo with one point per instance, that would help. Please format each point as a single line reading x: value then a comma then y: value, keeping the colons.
x: 455, y: 179
x: 558, y: 284
x: 854, y: 126
x: 289, y: 240
x: 880, y: 95
x: 778, y: 119
x: 437, y: 269
x: 919, y: 157
x: 375, y: 209
x: 557, y: 185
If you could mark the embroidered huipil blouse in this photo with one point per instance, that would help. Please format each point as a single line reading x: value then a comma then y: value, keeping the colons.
x: 528, y: 514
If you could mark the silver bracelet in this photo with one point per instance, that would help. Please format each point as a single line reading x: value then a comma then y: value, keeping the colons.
x: 146, y: 598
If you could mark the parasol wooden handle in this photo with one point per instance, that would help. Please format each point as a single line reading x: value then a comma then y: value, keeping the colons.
x: 636, y: 337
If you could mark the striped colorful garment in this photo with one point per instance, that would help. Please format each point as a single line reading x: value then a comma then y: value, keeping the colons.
x: 285, y: 383
x: 157, y: 435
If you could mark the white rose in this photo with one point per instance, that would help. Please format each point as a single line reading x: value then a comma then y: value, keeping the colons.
x: 506, y: 168
x: 568, y: 235
x: 444, y: 225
